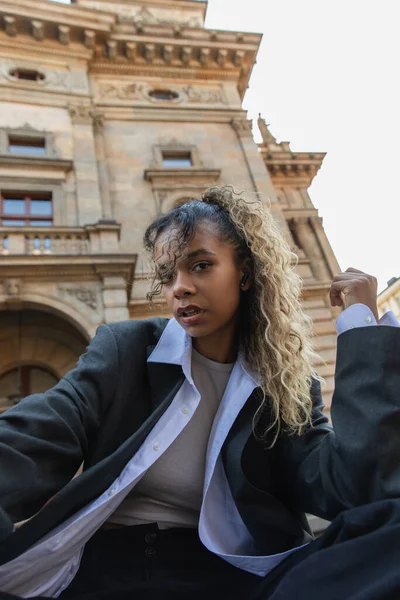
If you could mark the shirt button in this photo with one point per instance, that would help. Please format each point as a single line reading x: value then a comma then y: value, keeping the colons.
x: 351, y: 326
x: 185, y: 410
x: 156, y: 446
x: 150, y: 538
x: 150, y: 551
x: 112, y: 492
x: 368, y: 319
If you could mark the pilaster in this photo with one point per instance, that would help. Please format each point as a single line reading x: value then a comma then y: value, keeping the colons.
x: 85, y: 163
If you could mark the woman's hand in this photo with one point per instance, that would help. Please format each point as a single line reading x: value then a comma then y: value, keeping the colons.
x: 354, y: 287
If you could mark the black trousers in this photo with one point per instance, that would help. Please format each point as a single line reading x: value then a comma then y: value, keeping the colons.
x: 357, y: 558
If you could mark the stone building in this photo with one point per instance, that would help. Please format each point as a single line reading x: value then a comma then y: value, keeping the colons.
x: 389, y: 298
x: 111, y: 112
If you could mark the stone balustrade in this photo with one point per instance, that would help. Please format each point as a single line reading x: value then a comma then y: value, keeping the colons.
x: 100, y: 238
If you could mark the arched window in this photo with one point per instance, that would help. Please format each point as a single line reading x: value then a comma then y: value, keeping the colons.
x: 21, y: 381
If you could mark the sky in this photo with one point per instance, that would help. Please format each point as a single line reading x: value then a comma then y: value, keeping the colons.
x: 327, y: 80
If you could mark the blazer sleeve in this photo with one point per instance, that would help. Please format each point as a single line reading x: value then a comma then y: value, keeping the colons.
x: 44, y: 439
x: 357, y: 461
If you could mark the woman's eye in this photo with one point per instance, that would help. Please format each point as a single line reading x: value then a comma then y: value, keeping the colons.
x: 201, y: 266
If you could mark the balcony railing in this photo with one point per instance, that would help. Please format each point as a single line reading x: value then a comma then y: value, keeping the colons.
x: 40, y: 240
x: 99, y: 238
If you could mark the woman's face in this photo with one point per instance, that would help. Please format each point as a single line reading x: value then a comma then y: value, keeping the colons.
x: 203, y: 289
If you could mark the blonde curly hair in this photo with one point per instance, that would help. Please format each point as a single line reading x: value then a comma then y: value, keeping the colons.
x: 274, y: 330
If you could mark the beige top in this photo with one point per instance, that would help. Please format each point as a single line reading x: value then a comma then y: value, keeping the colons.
x: 170, y: 493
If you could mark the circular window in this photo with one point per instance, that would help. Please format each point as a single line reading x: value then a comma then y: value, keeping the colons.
x: 27, y: 74
x: 164, y: 95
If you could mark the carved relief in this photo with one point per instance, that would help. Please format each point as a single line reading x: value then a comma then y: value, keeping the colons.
x: 132, y: 14
x: 124, y: 91
x: 140, y: 92
x: 242, y: 127
x: 83, y: 114
x: 204, y: 95
x: 82, y: 293
x: 12, y: 287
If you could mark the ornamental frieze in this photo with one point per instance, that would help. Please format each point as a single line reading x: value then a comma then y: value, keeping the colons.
x: 137, y: 14
x: 142, y: 92
x: 61, y: 79
x: 82, y: 293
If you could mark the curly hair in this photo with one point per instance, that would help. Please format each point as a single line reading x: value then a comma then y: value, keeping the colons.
x: 275, y: 333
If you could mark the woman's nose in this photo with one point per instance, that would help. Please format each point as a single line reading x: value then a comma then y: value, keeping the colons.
x: 183, y: 286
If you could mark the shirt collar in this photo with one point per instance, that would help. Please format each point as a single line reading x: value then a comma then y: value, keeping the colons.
x: 175, y: 347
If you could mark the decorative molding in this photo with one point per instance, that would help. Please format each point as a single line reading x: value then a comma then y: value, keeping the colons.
x: 82, y: 293
x: 27, y: 132
x: 84, y: 114
x: 64, y: 80
x: 174, y: 145
x: 205, y: 95
x: 140, y: 92
x: 122, y: 91
x: 38, y: 30
x: 63, y: 34
x: 89, y: 39
x: 10, y: 25
x: 242, y: 126
x: 112, y: 48
x: 12, y: 287
x: 46, y: 164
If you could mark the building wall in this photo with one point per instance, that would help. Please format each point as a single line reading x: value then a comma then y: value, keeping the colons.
x: 105, y: 132
x: 389, y: 299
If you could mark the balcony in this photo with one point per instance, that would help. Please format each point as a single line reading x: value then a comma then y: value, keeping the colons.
x: 84, y: 251
x: 43, y: 240
x: 100, y: 238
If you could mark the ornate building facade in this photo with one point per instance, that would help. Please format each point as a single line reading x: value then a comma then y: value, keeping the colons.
x: 389, y: 298
x: 111, y: 112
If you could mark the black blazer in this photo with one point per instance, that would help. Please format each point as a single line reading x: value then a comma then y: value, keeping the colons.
x: 101, y: 412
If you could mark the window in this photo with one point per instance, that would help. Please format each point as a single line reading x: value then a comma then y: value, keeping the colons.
x: 177, y: 159
x: 27, y: 74
x: 164, y: 95
x: 25, y: 380
x: 27, y: 145
x: 20, y: 209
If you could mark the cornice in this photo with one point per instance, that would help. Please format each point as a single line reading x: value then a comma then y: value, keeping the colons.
x: 292, y: 168
x: 81, y: 33
x: 299, y: 213
x: 178, y: 114
x: 192, y: 173
x: 315, y: 290
x: 50, y: 163
x: 53, y: 12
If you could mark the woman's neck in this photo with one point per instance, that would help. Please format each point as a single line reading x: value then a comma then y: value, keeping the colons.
x: 217, y: 347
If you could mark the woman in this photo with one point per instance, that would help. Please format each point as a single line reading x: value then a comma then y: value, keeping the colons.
x: 203, y: 437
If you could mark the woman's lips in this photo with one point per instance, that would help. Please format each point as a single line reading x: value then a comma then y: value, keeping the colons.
x: 190, y: 315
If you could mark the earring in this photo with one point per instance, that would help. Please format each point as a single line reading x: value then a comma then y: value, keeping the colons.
x: 244, y: 279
